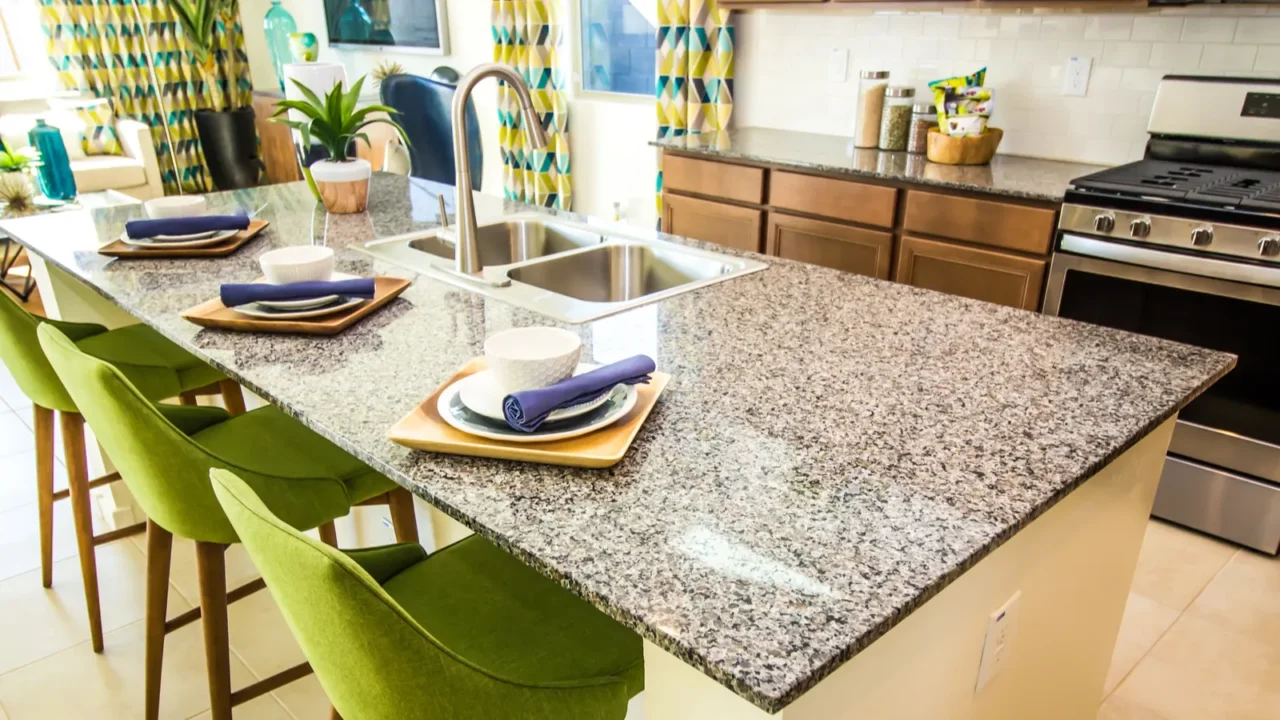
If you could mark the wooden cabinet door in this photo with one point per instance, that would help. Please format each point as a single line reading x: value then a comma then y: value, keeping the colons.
x: 855, y: 250
x: 730, y: 225
x: 980, y: 274
x: 983, y: 222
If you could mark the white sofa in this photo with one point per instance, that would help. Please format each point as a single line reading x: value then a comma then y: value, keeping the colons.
x: 136, y: 173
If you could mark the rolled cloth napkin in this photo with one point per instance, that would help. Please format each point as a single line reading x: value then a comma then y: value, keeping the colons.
x: 143, y: 229
x: 234, y: 294
x: 528, y: 409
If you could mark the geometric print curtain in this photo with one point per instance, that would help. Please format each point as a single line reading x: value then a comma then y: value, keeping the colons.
x: 97, y: 47
x: 695, y: 70
x: 527, y: 36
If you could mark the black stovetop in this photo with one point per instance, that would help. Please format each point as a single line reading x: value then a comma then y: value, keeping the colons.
x: 1216, y: 186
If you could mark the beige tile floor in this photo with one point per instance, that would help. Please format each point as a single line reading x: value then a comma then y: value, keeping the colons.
x: 1200, y: 638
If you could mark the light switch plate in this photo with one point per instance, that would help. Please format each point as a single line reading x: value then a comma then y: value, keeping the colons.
x: 1075, y: 78
x: 838, y: 69
x: 1001, y: 628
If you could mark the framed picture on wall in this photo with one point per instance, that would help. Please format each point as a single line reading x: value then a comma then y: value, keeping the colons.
x: 402, y: 25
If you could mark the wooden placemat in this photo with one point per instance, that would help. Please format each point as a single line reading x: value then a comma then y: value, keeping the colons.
x: 424, y: 429
x: 121, y: 249
x: 214, y: 314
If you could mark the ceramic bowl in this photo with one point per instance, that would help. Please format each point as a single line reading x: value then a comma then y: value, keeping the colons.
x: 533, y: 357
x: 175, y: 206
x: 301, y: 263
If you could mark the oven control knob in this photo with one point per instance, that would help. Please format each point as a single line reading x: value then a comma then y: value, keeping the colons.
x: 1104, y: 223
x: 1269, y: 246
x: 1202, y: 236
x: 1140, y: 228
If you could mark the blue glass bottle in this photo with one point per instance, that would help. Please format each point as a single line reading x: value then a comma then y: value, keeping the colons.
x: 56, y: 180
x: 277, y: 25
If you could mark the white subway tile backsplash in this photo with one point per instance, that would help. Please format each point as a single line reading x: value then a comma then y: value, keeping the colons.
x: 1157, y: 28
x: 1108, y: 27
x: 906, y: 25
x: 1019, y: 26
x: 1080, y: 48
x: 1268, y: 60
x: 1176, y: 56
x: 1126, y: 54
x: 1262, y: 30
x: 941, y: 25
x: 1209, y: 29
x: 1035, y: 51
x: 1228, y: 58
x: 1062, y: 27
x: 867, y: 26
x: 1140, y: 78
x: 979, y: 26
x: 1104, y: 78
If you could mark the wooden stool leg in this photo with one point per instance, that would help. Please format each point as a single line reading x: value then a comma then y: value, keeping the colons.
x: 400, y: 503
x: 78, y: 482
x: 159, y: 554
x: 329, y: 534
x: 232, y: 397
x: 211, y: 571
x: 43, y: 418
x: 187, y: 398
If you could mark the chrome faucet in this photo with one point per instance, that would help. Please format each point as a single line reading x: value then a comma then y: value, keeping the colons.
x: 467, y: 253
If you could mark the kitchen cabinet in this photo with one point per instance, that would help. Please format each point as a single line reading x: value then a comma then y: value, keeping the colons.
x: 852, y: 249
x: 720, y: 223
x: 983, y: 222
x: 841, y: 199
x: 739, y: 183
x: 996, y: 277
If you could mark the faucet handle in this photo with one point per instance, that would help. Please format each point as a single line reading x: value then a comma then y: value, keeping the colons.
x: 442, y: 213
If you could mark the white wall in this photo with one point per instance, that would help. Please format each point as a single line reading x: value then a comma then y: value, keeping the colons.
x: 608, y: 134
x: 783, y: 59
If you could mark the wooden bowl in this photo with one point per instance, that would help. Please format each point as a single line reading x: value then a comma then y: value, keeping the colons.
x: 977, y: 150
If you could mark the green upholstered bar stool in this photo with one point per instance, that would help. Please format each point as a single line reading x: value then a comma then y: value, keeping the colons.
x: 467, y: 632
x: 165, y: 453
x: 156, y: 366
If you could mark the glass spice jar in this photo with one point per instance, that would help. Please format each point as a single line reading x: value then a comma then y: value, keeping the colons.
x: 895, y: 123
x: 923, y: 117
x: 866, y: 126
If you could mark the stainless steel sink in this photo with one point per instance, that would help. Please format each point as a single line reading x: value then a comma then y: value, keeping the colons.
x: 568, y: 271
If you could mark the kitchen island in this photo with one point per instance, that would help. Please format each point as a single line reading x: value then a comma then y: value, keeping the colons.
x: 843, y: 480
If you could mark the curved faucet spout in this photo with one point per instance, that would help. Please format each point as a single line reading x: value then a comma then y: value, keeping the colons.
x: 467, y: 254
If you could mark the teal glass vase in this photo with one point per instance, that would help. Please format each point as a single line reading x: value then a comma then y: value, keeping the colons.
x: 278, y: 25
x: 56, y: 180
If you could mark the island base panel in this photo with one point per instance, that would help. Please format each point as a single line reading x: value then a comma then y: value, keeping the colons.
x: 1073, y: 566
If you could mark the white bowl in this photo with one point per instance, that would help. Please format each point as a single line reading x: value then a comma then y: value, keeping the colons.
x: 301, y: 263
x: 176, y: 206
x: 533, y: 357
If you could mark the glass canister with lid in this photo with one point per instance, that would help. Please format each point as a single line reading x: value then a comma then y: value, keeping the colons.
x: 871, y: 89
x: 923, y: 117
x: 895, y: 123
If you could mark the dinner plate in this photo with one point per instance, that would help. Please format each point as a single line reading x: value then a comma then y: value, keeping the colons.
x: 480, y: 396
x: 203, y: 235
x: 215, y: 239
x: 306, y: 304
x: 617, y: 404
x: 257, y: 310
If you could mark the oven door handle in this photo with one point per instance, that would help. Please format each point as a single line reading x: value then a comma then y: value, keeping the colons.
x: 1171, y: 261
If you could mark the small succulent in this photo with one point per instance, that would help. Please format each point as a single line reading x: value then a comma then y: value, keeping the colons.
x: 334, y: 121
x: 384, y: 70
x: 19, y: 160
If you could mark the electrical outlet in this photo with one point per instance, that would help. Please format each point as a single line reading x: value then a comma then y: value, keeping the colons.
x: 1002, y: 626
x: 1075, y: 78
x: 838, y: 69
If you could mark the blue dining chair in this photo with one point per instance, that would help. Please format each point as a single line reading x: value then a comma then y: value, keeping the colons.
x: 425, y: 107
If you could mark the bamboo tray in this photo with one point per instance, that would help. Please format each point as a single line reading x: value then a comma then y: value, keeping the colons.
x: 213, y: 314
x: 121, y: 249
x: 424, y: 429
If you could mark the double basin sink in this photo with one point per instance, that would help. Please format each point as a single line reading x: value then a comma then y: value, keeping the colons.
x: 568, y: 271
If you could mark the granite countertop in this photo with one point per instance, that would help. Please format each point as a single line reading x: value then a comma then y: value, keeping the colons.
x: 808, y: 479
x: 1010, y: 175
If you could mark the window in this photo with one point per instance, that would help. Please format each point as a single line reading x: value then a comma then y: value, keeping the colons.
x: 619, y: 44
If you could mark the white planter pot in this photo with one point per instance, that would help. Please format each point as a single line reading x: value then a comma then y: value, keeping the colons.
x: 343, y: 186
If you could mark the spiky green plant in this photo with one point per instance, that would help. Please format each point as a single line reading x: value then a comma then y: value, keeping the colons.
x: 335, y: 121
x: 20, y: 160
x: 199, y: 20
x: 384, y: 70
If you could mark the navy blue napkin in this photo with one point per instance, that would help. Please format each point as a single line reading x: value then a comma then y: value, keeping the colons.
x: 143, y: 229
x: 234, y: 294
x: 528, y: 409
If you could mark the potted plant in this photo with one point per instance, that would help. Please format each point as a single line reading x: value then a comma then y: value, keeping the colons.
x: 224, y: 118
x: 17, y: 191
x: 334, y: 121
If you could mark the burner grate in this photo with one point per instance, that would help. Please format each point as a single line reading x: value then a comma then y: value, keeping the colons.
x: 1204, y: 184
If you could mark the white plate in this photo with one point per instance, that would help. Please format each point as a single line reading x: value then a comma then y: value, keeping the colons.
x: 480, y: 396
x: 189, y: 236
x: 306, y: 304
x: 264, y: 313
x: 214, y: 239
x: 617, y: 404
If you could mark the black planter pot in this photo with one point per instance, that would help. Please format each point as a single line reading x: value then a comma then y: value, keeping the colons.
x: 230, y: 144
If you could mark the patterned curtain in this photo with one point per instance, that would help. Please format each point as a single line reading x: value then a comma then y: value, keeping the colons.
x: 98, y: 47
x: 695, y: 70
x: 526, y: 36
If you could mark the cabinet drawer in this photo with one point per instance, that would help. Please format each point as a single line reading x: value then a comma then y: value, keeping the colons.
x: 841, y: 199
x: 715, y: 222
x: 980, y: 274
x: 855, y: 250
x: 717, y: 179
x: 1016, y: 227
